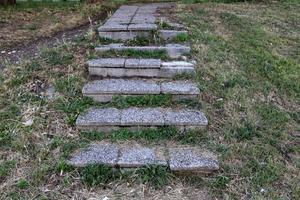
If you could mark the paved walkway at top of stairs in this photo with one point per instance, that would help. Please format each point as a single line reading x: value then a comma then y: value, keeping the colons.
x: 133, y: 18
x: 129, y: 22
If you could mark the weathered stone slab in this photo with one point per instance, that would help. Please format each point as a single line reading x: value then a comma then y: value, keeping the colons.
x: 142, y: 27
x: 143, y: 20
x: 121, y: 86
x: 135, y: 155
x: 123, y: 36
x: 114, y: 67
x: 185, y: 117
x: 104, y: 90
x: 96, y: 117
x: 179, y: 87
x: 124, y: 72
x: 113, y: 27
x: 107, y: 62
x: 142, y: 63
x: 180, y: 64
x: 170, y: 34
x: 189, y: 160
x: 169, y: 72
x: 102, y: 153
x: 142, y: 117
x: 177, y: 50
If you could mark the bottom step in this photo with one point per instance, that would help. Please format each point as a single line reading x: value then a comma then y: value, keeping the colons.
x: 133, y: 155
x: 107, y: 119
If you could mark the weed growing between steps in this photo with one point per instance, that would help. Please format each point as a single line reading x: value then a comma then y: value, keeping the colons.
x: 160, y: 100
x: 181, y: 37
x: 248, y: 75
x: 104, y: 176
x: 135, y: 54
x: 158, y: 136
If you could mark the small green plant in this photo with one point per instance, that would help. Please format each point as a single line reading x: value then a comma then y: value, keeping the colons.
x: 155, y: 176
x: 272, y: 116
x: 181, y: 37
x: 246, y: 132
x: 56, y: 56
x: 139, y: 41
x: 142, y: 100
x: 93, y: 135
x: 220, y: 182
x: 98, y: 175
x: 73, y: 106
x: 185, y: 76
x: 69, y: 86
x: 22, y: 184
x: 5, y: 168
x: 158, y: 54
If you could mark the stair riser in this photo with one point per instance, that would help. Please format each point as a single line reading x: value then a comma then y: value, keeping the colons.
x: 104, y: 98
x: 130, y: 35
x: 167, y: 72
x: 109, y: 129
x: 172, y: 50
x: 124, y: 36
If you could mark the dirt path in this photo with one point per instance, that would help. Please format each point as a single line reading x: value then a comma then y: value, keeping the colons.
x: 30, y: 49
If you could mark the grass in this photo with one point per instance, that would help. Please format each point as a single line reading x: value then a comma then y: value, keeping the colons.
x: 101, y: 175
x: 181, y: 37
x: 248, y: 75
x: 159, y: 54
x: 149, y: 136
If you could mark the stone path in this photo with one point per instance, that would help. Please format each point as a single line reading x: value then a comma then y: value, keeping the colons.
x: 136, y: 77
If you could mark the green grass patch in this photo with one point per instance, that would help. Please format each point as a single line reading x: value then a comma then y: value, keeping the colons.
x: 56, y: 57
x: 159, y: 54
x: 6, y: 167
x: 22, y: 184
x: 142, y: 101
x: 73, y: 107
x: 155, y: 135
x: 101, y: 175
x: 181, y: 37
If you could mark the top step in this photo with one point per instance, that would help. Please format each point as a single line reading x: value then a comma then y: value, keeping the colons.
x: 129, y: 22
x: 131, y: 18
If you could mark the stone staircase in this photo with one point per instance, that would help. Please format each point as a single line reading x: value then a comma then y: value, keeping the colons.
x: 125, y: 77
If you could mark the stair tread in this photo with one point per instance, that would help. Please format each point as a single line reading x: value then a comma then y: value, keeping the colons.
x: 134, y: 116
x: 184, y: 159
x: 138, y: 86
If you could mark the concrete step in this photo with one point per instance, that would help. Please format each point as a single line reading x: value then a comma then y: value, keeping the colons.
x: 105, y: 90
x: 172, y: 50
x: 180, y: 159
x: 129, y: 22
x: 170, y: 34
x: 108, y: 119
x: 121, y: 67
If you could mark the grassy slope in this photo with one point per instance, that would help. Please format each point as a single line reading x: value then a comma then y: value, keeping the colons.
x: 251, y: 113
x: 249, y: 72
